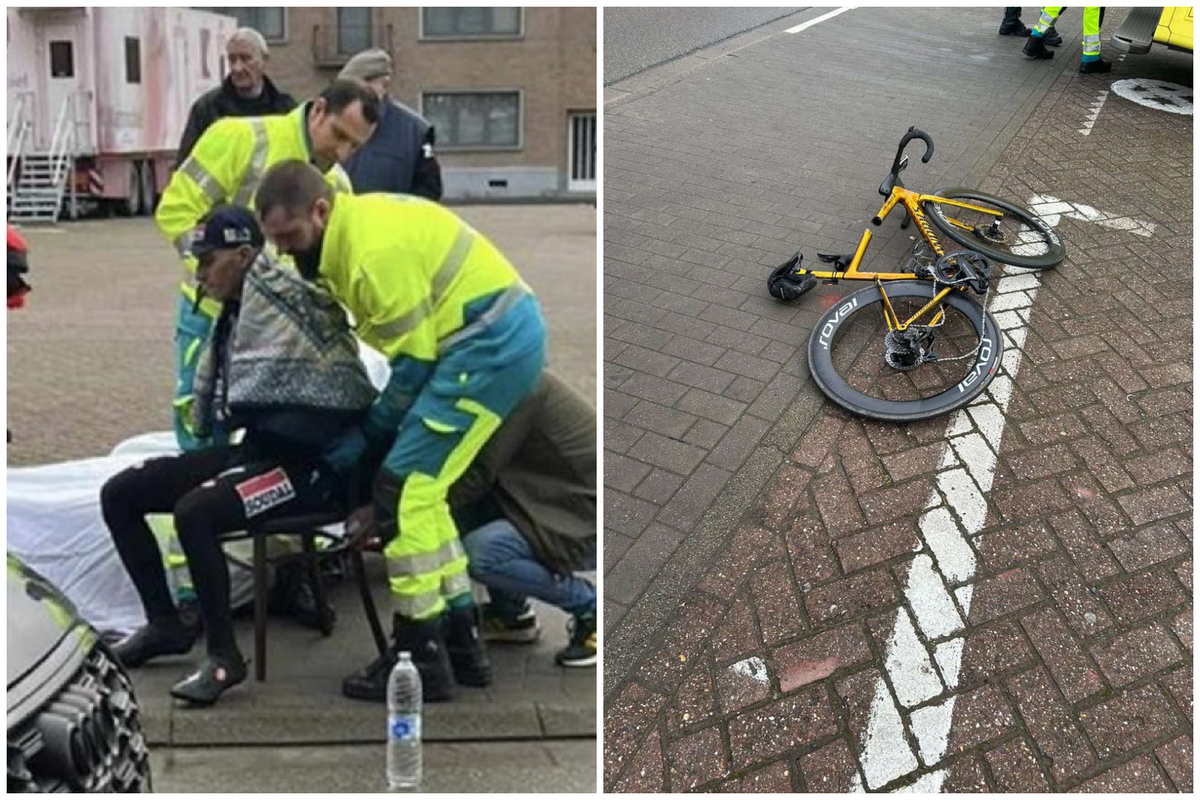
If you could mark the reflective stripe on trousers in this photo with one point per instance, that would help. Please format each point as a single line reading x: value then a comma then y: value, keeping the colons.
x: 426, y: 562
x: 1047, y: 18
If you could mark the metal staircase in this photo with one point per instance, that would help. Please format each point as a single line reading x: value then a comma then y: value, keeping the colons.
x: 43, y: 178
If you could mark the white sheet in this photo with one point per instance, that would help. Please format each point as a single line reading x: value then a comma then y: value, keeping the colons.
x: 56, y: 528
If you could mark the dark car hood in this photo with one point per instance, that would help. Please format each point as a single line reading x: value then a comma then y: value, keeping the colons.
x: 39, y: 619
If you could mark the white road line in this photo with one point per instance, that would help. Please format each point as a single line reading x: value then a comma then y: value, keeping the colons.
x: 968, y: 469
x: 1095, y: 112
x: 821, y: 18
x: 1051, y: 209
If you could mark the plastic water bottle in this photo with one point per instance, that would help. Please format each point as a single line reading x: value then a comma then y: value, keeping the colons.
x: 404, y: 725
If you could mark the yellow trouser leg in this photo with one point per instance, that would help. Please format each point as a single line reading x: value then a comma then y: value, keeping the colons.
x: 426, y: 562
x: 1049, y: 15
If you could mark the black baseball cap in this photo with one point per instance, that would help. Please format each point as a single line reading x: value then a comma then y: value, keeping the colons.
x: 226, y: 227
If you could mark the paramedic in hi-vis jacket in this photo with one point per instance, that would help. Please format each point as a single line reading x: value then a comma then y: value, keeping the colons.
x: 226, y: 166
x: 466, y: 342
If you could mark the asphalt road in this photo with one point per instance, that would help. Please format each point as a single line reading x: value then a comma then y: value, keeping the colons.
x: 639, y: 38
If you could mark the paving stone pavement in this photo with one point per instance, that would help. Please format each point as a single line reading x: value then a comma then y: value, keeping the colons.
x: 790, y: 601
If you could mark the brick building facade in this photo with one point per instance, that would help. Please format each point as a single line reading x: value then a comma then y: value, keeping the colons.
x: 511, y: 91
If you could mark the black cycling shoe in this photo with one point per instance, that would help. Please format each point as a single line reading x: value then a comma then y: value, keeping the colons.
x: 1099, y: 65
x: 212, y: 678
x: 1036, y: 48
x: 468, y: 656
x: 151, y: 641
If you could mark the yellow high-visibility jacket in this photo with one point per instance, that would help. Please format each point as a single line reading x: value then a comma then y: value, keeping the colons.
x: 226, y: 166
x: 408, y: 269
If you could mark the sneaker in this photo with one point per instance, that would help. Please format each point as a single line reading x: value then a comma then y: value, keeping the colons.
x: 1051, y: 38
x: 581, y: 652
x: 1036, y: 48
x: 521, y: 629
x: 215, y: 675
x: 151, y: 641
x: 1099, y: 65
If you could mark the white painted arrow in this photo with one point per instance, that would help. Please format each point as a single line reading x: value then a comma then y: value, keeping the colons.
x: 1051, y: 209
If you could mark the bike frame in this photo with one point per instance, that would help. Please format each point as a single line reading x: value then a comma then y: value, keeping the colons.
x: 912, y: 202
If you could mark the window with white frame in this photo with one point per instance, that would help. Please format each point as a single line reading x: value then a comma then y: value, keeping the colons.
x: 353, y: 30
x: 474, y: 120
x: 466, y: 23
x: 267, y: 21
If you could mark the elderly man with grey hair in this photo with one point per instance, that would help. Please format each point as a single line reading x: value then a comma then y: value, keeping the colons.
x: 398, y: 158
x: 245, y: 92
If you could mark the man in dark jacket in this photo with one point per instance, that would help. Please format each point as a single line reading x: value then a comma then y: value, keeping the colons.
x: 245, y: 92
x: 399, y: 158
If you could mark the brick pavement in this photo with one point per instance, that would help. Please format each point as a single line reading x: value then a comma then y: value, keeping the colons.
x: 763, y: 632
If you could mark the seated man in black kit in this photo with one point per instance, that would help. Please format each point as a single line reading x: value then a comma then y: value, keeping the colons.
x: 283, y: 365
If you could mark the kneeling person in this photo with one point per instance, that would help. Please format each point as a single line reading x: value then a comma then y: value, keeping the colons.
x: 282, y: 365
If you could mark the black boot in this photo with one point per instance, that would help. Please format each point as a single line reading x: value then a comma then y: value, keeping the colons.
x: 1036, y: 48
x: 468, y: 656
x: 1100, y: 65
x: 1012, y: 25
x: 1051, y: 38
x: 424, y: 640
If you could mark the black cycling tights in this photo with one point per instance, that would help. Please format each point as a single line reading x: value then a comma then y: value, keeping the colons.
x: 211, y: 492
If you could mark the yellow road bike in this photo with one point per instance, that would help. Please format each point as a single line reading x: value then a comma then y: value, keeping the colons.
x: 918, y: 343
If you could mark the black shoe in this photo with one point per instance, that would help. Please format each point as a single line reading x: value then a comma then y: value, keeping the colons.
x: 423, y: 639
x: 468, y: 656
x: 159, y: 638
x: 212, y: 678
x: 292, y: 595
x: 1051, y: 37
x: 1100, y: 65
x: 1036, y: 48
x: 581, y: 652
x: 370, y: 683
x: 1014, y: 28
x: 522, y: 628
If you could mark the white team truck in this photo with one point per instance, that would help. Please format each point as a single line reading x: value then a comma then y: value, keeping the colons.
x: 97, y: 101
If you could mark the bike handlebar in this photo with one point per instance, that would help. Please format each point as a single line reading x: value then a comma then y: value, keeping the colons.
x: 913, y: 133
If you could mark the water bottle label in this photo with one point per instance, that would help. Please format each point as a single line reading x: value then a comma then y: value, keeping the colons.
x: 404, y: 727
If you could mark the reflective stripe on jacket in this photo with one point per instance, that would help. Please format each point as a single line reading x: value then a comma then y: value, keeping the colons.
x: 408, y: 269
x: 226, y: 166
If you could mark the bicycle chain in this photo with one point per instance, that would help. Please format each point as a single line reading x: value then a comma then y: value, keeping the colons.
x: 923, y: 265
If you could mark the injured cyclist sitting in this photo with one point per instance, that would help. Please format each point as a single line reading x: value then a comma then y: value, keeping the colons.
x: 281, y: 364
